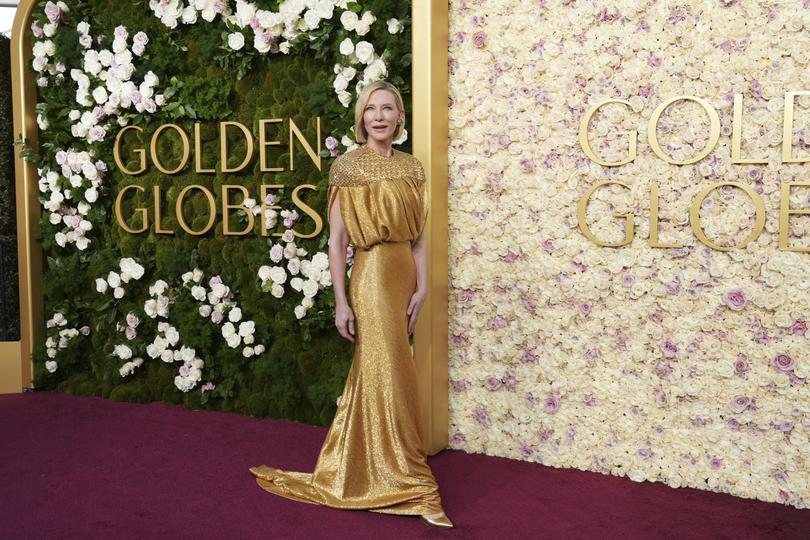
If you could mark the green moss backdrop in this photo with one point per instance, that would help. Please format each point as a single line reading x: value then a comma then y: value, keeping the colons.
x: 303, y: 366
x: 9, y: 292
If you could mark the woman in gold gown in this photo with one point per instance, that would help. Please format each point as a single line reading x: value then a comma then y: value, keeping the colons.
x: 373, y: 457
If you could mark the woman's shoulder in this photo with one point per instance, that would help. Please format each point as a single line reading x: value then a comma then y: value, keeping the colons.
x: 341, y: 170
x: 414, y: 165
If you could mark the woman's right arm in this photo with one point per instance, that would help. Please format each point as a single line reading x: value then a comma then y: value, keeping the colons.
x: 338, y: 241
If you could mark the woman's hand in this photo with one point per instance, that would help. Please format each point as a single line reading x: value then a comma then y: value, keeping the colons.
x: 344, y: 321
x: 415, y: 307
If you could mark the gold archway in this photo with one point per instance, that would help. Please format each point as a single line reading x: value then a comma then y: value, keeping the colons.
x: 429, y: 85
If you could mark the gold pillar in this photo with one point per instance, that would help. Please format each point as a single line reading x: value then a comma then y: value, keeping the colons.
x: 16, y: 366
x: 430, y: 132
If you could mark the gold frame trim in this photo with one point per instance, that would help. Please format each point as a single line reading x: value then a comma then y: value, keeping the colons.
x: 429, y: 80
x: 18, y: 372
x: 430, y: 131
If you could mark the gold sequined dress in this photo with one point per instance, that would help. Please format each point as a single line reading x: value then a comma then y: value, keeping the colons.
x: 373, y: 457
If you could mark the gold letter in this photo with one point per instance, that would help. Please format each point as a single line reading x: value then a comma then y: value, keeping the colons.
x: 263, y: 192
x: 654, y: 219
x: 186, y: 148
x: 586, y: 146
x: 694, y: 215
x: 263, y: 142
x: 212, y: 210
x: 582, y: 207
x: 158, y: 230
x: 198, y: 152
x: 226, y: 207
x: 736, y: 134
x: 784, y: 216
x: 120, y: 219
x: 117, y: 153
x: 714, y: 130
x: 787, y: 132
x: 308, y: 211
x: 223, y: 146
x: 314, y: 156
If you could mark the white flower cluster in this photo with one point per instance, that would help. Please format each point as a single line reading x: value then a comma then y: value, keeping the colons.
x: 161, y: 347
x: 106, y: 94
x: 158, y: 304
x: 52, y: 344
x: 124, y: 352
x: 361, y: 52
x: 166, y: 338
x: 310, y: 276
x: 217, y: 303
x: 129, y: 367
x: 130, y: 270
x: 190, y: 373
x: 171, y: 11
x: 113, y: 91
x: 79, y: 181
x: 45, y: 50
x: 272, y: 31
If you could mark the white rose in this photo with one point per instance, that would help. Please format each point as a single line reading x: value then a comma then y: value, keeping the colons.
x: 91, y: 194
x: 123, y: 352
x: 310, y: 288
x: 349, y: 20
x: 233, y: 341
x: 235, y: 315
x: 264, y: 273
x: 278, y: 274
x: 345, y: 98
x: 300, y: 311
x: 236, y: 40
x: 228, y: 329
x: 114, y: 279
x: 277, y: 290
x: 51, y: 366
x: 247, y: 352
x: 100, y: 95
x: 346, y: 47
x: 364, y: 51
x: 118, y: 292
x: 198, y: 293
x: 247, y: 328
x: 394, y: 26
x: 101, y: 285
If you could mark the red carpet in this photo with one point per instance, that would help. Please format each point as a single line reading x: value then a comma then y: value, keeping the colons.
x: 78, y: 467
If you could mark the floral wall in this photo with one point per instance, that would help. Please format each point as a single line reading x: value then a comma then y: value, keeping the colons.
x: 235, y: 323
x: 685, y: 365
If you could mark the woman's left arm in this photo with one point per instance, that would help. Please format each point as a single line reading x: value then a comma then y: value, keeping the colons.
x: 419, y: 250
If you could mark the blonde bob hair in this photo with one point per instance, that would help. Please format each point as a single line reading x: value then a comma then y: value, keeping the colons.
x: 360, y: 133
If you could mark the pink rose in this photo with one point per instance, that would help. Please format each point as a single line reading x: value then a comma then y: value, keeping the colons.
x: 669, y: 348
x: 480, y: 39
x: 735, y: 299
x: 552, y: 404
x: 492, y: 383
x: 53, y: 12
x: 739, y: 404
x: 783, y: 362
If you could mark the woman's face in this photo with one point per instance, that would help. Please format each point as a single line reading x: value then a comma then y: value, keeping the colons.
x: 381, y: 116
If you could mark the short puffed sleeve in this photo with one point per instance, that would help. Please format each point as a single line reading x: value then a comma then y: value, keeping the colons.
x: 424, y: 195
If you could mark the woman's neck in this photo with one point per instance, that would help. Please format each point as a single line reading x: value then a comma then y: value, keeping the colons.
x: 384, y: 149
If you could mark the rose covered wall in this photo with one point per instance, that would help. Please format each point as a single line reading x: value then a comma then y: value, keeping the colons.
x: 685, y: 365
